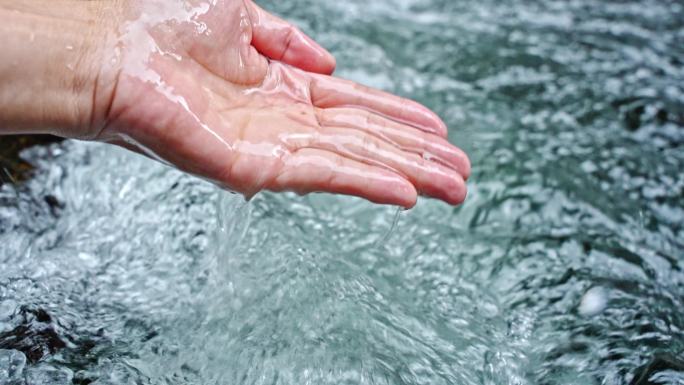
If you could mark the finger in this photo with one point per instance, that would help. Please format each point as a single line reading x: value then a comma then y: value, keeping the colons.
x: 281, y: 41
x: 407, y: 138
x: 429, y: 178
x: 313, y: 170
x: 329, y: 92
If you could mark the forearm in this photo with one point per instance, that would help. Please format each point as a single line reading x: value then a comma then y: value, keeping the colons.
x: 49, y: 65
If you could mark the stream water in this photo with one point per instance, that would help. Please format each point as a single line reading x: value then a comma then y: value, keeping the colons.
x: 563, y: 267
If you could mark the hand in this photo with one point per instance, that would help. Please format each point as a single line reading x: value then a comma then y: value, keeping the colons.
x: 235, y: 95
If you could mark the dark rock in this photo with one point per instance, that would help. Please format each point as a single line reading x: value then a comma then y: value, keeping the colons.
x: 35, y: 335
x: 654, y: 366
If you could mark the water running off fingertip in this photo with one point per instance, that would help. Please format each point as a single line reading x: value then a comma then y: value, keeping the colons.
x: 9, y: 176
x: 234, y: 216
x: 233, y: 220
x: 11, y: 180
x: 389, y: 232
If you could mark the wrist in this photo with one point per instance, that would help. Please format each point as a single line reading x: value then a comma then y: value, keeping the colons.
x: 53, y: 75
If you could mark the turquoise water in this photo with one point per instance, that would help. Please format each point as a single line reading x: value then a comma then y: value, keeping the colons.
x: 563, y: 267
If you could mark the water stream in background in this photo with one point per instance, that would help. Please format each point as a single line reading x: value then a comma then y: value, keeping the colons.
x: 563, y: 267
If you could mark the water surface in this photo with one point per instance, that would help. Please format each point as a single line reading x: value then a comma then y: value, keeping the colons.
x: 563, y: 267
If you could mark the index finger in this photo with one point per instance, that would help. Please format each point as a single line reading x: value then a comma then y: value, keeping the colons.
x: 330, y: 92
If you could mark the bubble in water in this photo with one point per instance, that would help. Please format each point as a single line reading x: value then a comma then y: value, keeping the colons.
x: 593, y: 302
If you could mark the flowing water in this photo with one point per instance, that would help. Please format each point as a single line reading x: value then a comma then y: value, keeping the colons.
x: 563, y: 267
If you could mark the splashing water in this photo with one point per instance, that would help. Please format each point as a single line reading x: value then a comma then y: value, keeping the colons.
x: 563, y: 267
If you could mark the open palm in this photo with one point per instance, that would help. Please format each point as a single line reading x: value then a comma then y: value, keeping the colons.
x: 230, y: 93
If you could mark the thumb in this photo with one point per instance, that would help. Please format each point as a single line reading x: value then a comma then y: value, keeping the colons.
x: 279, y: 40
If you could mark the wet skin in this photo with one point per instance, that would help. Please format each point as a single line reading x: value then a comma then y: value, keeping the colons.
x: 237, y: 96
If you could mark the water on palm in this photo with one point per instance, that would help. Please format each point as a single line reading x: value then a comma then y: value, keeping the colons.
x: 563, y: 267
